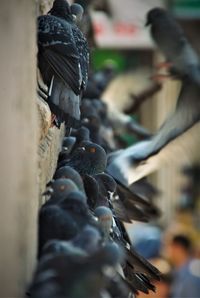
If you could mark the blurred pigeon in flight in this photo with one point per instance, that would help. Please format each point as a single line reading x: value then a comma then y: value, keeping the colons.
x: 171, y: 40
x: 139, y: 160
x: 63, y: 59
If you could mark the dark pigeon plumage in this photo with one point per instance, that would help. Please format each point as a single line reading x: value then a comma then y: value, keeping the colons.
x: 75, y: 275
x: 63, y: 59
x: 69, y: 173
x: 63, y: 220
x: 59, y: 189
x: 77, y: 12
x: 88, y: 159
x: 137, y: 270
x: 88, y: 241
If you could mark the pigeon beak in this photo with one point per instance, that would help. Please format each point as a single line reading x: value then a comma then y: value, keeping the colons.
x: 74, y: 17
x: 65, y: 148
x: 50, y: 183
x: 85, y: 120
x: 82, y: 148
x: 48, y: 192
x: 147, y: 23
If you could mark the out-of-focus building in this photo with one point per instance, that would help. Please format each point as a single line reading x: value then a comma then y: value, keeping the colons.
x: 122, y: 36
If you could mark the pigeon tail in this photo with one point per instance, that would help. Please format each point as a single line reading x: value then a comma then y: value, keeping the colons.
x: 64, y: 103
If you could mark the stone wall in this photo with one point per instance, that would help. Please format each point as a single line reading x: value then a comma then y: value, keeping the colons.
x: 29, y: 147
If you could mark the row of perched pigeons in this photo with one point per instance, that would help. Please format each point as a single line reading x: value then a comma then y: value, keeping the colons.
x: 84, y: 250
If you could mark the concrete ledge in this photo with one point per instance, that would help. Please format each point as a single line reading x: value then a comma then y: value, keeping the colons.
x: 49, y: 146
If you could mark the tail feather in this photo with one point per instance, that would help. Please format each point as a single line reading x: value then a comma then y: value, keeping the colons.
x: 64, y: 103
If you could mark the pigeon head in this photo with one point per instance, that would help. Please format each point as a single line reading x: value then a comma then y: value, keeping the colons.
x: 105, y: 219
x: 154, y: 14
x: 92, y: 121
x: 77, y: 12
x: 60, y: 8
x: 69, y: 173
x: 83, y: 134
x: 68, y: 143
x: 60, y: 189
x: 89, y: 159
x: 106, y: 182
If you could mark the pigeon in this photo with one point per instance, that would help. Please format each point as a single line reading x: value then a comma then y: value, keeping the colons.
x: 67, y: 145
x: 63, y: 59
x: 89, y: 159
x: 137, y: 270
x: 63, y: 220
x: 182, y: 59
x: 82, y: 134
x: 86, y: 275
x: 69, y: 173
x: 71, y: 142
x: 85, y: 23
x: 105, y: 219
x: 77, y: 12
x: 88, y: 241
x: 59, y: 190
x: 124, y: 206
x: 139, y: 160
x: 125, y: 203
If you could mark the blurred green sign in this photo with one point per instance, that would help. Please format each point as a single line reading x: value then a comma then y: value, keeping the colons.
x: 186, y: 8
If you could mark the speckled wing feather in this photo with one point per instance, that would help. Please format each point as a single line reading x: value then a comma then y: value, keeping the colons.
x: 57, y: 45
x: 82, y: 46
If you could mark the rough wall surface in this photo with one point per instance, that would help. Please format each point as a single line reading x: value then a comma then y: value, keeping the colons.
x: 18, y: 158
x: 29, y: 147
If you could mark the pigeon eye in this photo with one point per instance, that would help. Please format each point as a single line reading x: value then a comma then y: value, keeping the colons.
x: 62, y: 187
x: 92, y: 150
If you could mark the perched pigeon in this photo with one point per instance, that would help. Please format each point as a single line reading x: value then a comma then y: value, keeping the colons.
x: 69, y: 173
x: 88, y: 240
x: 137, y: 270
x: 63, y: 220
x: 89, y: 159
x: 74, y: 274
x: 59, y: 190
x: 85, y: 23
x: 77, y: 12
x: 63, y: 59
x: 171, y: 40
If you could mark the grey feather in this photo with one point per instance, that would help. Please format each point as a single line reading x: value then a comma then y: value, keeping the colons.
x: 172, y: 42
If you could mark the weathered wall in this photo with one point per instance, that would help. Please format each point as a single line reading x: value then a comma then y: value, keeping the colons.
x: 29, y: 147
x: 18, y: 158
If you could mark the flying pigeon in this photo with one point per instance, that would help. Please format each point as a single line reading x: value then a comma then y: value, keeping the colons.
x: 172, y: 42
